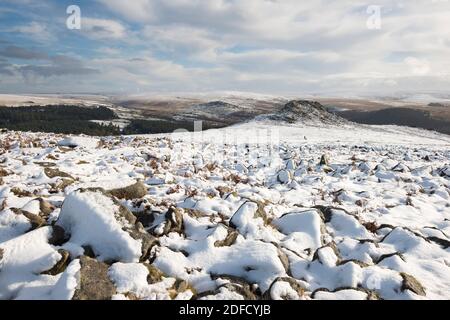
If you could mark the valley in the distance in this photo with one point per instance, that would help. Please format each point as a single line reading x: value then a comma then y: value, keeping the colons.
x: 164, y: 113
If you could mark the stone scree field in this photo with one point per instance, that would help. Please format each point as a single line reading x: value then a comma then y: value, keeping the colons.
x: 161, y: 217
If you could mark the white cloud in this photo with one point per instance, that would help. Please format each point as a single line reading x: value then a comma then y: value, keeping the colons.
x: 183, y: 41
x: 417, y: 66
x: 103, y: 28
x: 36, y: 31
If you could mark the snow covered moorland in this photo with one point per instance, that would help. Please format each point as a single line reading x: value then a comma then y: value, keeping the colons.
x: 261, y: 210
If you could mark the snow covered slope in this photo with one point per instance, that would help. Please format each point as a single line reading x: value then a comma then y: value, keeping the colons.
x: 10, y: 100
x: 259, y: 210
x: 214, y: 110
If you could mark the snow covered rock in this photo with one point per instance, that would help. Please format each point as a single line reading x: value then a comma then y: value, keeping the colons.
x: 32, y: 207
x: 12, y: 225
x: 364, y: 167
x: 229, y: 240
x: 244, y: 217
x: 345, y: 294
x: 92, y: 218
x: 59, y: 287
x: 35, y: 220
x: 128, y: 277
x: 61, y: 265
x: 291, y: 165
x: 55, y: 173
x: 327, y: 255
x: 234, y: 288
x: 324, y: 160
x: 173, y: 222
x: 411, y: 283
x: 303, y: 230
x: 78, y: 141
x: 36, y: 211
x: 401, y: 167
x: 444, y: 172
x: 255, y: 261
x: 285, y: 288
x: 284, y: 176
x: 45, y: 208
x: 346, y: 225
x: 24, y: 258
x: 134, y: 281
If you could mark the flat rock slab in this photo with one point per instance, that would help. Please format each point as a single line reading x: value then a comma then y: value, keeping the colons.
x: 94, y: 281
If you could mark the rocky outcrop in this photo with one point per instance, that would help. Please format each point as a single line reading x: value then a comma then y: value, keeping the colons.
x: 306, y: 111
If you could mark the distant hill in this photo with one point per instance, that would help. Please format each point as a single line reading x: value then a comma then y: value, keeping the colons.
x: 398, y: 116
x: 306, y: 112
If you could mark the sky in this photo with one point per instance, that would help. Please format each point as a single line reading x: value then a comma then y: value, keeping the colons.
x: 265, y: 46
